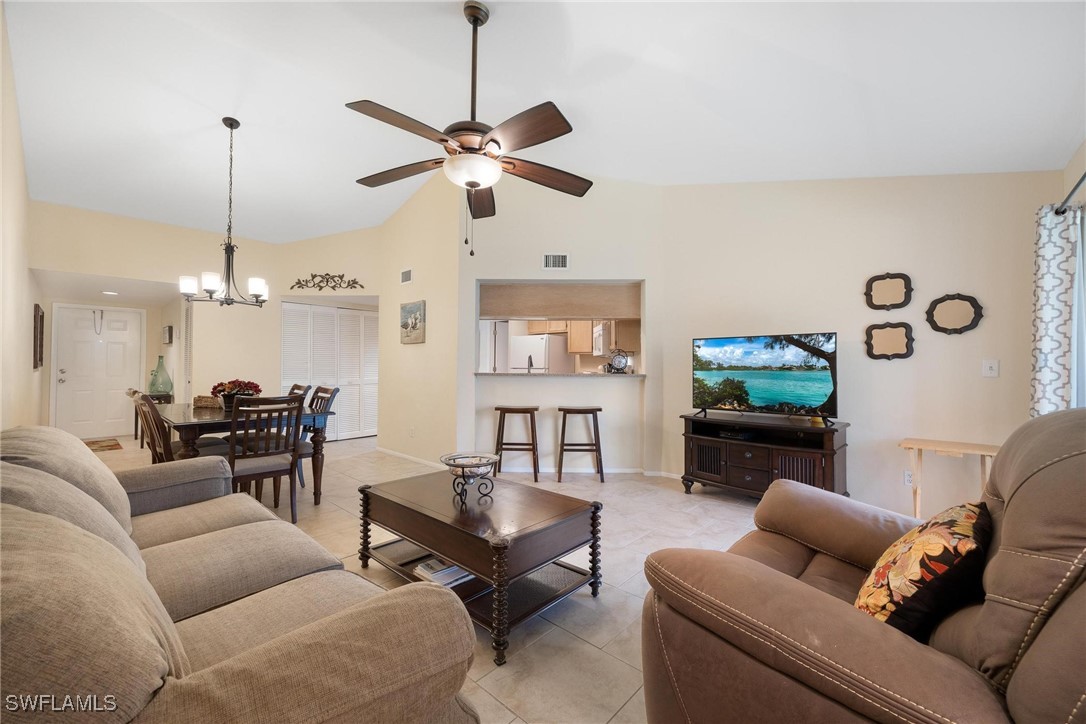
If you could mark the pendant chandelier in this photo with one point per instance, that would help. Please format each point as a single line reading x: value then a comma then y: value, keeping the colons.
x: 218, y: 287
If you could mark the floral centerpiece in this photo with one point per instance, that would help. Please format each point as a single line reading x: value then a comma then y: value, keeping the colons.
x: 227, y: 391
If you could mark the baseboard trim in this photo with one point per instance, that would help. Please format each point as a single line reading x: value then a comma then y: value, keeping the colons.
x: 590, y: 471
x: 660, y: 474
x: 412, y: 458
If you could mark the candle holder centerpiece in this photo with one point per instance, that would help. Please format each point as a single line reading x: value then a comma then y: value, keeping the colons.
x: 469, y: 468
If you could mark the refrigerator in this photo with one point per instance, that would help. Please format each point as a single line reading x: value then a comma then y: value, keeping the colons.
x: 493, y: 346
x: 541, y: 354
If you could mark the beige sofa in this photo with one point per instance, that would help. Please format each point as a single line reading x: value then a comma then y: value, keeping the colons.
x: 156, y: 595
x: 766, y: 632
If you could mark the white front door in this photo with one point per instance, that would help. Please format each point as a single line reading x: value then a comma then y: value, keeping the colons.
x: 98, y: 355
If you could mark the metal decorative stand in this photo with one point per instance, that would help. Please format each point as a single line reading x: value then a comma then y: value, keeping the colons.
x: 467, y: 470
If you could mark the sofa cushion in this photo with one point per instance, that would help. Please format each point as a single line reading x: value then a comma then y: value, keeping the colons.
x: 76, y: 617
x: 41, y: 492
x: 64, y: 455
x: 930, y: 571
x: 189, y: 521
x: 228, y: 630
x: 194, y: 575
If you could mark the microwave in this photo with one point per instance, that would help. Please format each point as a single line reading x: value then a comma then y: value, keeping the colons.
x: 601, y: 339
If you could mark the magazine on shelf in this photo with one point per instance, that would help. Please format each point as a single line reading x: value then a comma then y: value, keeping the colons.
x: 439, y: 571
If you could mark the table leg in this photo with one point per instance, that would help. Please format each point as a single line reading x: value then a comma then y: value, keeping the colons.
x: 918, y: 479
x: 318, y: 461
x: 594, y: 548
x: 983, y: 473
x: 188, y: 437
x: 500, y: 612
x: 364, y: 549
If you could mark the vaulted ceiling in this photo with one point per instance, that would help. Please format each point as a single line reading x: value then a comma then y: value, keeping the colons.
x: 120, y: 103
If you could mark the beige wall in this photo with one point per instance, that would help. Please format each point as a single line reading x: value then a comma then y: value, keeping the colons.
x: 20, y: 384
x: 773, y: 258
x: 1075, y: 168
x: 418, y: 393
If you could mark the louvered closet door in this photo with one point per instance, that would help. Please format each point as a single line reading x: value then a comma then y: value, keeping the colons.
x: 294, y: 353
x: 348, y: 404
x: 369, y: 373
x: 324, y: 358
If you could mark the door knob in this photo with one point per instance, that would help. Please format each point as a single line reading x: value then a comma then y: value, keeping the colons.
x: 61, y: 380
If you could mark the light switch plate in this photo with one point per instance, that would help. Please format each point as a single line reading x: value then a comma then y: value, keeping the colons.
x: 989, y: 368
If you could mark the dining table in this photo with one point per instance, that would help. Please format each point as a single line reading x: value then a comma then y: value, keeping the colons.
x: 191, y: 422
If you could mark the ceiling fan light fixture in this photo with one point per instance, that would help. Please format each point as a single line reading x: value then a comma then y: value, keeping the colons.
x: 472, y: 170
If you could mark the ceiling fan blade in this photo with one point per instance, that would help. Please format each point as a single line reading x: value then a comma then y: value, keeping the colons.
x: 533, y: 126
x: 552, y: 178
x: 402, y: 172
x: 395, y: 118
x: 481, y: 203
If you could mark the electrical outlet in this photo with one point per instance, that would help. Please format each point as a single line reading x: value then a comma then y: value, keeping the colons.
x: 989, y: 368
x: 411, y: 431
x: 907, y: 479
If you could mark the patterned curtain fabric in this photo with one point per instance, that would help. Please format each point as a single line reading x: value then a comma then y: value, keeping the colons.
x: 1058, y: 258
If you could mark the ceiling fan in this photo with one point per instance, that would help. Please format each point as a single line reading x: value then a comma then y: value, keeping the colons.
x: 476, y: 152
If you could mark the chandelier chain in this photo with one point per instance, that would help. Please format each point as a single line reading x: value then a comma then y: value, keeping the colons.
x: 230, y: 192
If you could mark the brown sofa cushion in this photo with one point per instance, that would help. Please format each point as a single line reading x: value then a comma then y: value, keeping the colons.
x: 78, y: 618
x: 64, y: 455
x: 194, y: 575
x: 930, y: 571
x: 1038, y: 504
x: 41, y: 492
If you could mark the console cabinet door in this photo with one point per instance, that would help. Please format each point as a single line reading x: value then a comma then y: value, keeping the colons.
x: 798, y: 465
x: 707, y: 460
x: 580, y: 337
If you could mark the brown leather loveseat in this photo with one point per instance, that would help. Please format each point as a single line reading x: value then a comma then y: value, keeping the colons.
x: 767, y: 631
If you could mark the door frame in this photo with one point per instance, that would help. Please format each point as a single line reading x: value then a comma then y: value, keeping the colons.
x: 53, y: 346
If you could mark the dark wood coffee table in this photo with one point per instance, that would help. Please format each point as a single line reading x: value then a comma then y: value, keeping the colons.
x: 510, y: 541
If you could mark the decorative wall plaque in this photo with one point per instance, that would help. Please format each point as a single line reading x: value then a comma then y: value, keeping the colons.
x: 954, y: 313
x: 320, y: 282
x: 889, y: 291
x: 893, y: 340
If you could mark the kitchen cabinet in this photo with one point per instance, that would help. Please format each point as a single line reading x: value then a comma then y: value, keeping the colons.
x: 547, y: 326
x: 580, y: 336
x: 537, y: 326
x: 626, y: 335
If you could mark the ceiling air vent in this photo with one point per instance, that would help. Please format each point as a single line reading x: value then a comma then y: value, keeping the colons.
x: 556, y: 261
x: 405, y: 276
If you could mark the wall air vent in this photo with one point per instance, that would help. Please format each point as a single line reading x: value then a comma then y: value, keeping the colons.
x: 405, y: 276
x: 556, y: 261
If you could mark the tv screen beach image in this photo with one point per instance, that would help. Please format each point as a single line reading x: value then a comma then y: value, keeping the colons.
x: 787, y: 374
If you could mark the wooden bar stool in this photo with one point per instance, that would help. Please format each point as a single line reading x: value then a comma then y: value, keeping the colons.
x: 593, y: 446
x: 531, y: 446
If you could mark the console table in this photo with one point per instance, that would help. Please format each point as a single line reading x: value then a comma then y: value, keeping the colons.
x: 747, y: 454
x: 917, y: 446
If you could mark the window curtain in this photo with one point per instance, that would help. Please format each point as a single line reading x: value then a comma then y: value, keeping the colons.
x: 1057, y: 311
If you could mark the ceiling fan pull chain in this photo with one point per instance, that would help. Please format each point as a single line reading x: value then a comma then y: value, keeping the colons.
x: 471, y: 216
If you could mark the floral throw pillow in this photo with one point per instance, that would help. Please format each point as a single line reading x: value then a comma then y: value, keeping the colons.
x: 930, y: 571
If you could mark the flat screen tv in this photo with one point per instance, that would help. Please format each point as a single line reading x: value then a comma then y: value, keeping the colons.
x: 786, y: 374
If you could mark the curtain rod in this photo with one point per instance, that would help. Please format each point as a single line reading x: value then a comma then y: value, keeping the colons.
x: 1062, y: 208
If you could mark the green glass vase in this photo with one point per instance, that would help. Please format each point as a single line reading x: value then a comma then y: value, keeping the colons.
x: 160, y: 379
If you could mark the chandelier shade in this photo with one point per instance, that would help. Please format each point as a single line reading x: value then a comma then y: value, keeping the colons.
x: 472, y: 170
x: 217, y: 287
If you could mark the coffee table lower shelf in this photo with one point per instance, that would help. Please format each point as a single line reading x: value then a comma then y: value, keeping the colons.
x: 528, y: 594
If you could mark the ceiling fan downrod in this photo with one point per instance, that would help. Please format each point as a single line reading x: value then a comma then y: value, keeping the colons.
x: 477, y: 14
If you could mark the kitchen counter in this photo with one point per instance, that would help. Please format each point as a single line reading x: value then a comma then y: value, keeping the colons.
x: 544, y: 374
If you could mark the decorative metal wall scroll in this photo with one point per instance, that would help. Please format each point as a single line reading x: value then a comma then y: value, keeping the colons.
x: 320, y: 282
x: 954, y: 313
x: 889, y: 291
x: 893, y: 340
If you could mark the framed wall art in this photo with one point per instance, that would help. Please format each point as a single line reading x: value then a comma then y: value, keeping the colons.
x: 413, y: 322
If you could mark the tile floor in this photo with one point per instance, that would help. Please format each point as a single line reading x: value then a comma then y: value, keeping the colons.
x: 580, y: 660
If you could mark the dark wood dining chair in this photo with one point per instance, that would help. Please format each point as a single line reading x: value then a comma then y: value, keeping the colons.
x: 163, y: 449
x: 323, y: 397
x: 264, y: 444
x: 302, y: 390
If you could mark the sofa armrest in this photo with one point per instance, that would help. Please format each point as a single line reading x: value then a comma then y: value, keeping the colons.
x: 855, y: 532
x: 399, y: 656
x: 818, y: 640
x: 172, y: 485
